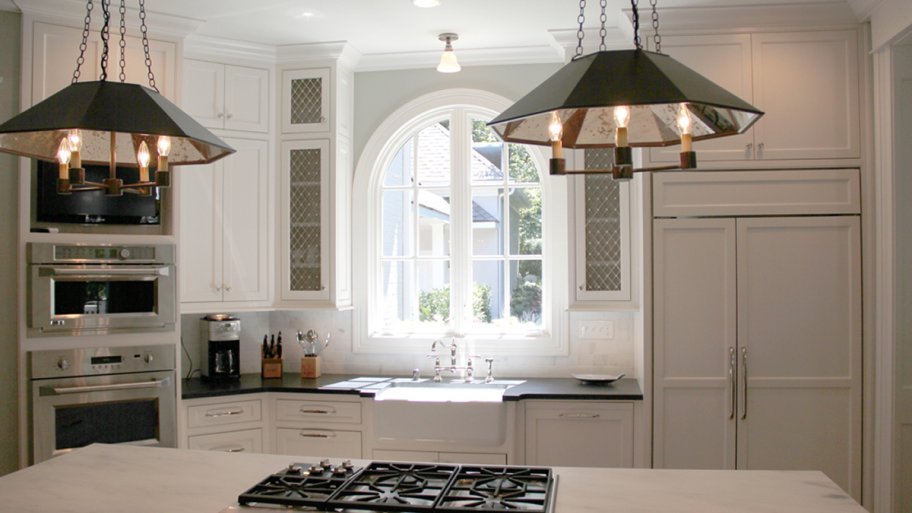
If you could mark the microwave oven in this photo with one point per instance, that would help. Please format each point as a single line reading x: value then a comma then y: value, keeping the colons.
x: 81, y: 289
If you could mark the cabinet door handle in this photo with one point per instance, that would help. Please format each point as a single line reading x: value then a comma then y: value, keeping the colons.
x: 224, y: 413
x: 579, y: 415
x: 328, y: 411
x: 233, y: 448
x: 310, y: 434
x: 760, y: 150
x: 749, y: 150
x: 743, y: 383
x: 732, y: 362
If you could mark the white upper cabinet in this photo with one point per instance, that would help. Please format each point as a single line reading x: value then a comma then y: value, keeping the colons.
x: 226, y: 96
x: 806, y: 83
x: 306, y: 100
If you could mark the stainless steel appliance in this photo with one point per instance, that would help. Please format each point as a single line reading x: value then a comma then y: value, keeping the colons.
x: 220, y: 344
x: 402, y: 487
x: 77, y: 289
x: 107, y: 395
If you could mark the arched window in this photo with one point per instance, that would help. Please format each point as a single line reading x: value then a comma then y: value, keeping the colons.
x: 454, y: 237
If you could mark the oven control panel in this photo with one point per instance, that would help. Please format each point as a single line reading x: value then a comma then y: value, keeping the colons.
x: 101, y: 360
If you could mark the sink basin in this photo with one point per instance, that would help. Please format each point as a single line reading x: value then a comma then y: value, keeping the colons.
x: 442, y: 413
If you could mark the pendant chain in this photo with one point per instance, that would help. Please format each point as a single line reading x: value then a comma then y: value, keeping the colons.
x: 84, y: 44
x: 105, y: 35
x: 579, y: 33
x: 636, y: 25
x: 603, y: 32
x: 123, y: 43
x: 145, y: 41
x: 655, y: 27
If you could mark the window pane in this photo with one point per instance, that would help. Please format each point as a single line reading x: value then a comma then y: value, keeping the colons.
x: 397, y: 223
x: 525, y: 221
x: 434, y: 222
x: 487, y: 221
x: 522, y: 168
x: 396, y: 292
x: 434, y: 155
x: 400, y: 170
x: 434, y: 291
x: 487, y: 154
x: 526, y: 291
x: 488, y: 298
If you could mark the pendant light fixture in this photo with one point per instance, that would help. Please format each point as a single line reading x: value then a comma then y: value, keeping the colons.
x: 448, y: 62
x: 623, y: 99
x: 113, y: 123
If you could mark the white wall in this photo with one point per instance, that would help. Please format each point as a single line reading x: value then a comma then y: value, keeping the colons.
x: 9, y: 188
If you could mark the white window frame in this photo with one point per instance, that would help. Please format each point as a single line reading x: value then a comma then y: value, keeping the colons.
x: 383, y: 144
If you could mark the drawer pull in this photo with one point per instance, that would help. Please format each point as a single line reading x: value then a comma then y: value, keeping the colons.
x: 328, y: 411
x: 224, y: 413
x: 234, y: 448
x: 579, y: 415
x: 311, y: 434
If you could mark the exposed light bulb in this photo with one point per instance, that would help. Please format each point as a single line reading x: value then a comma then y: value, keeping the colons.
x: 556, y: 132
x: 74, y: 140
x: 684, y: 125
x: 63, y: 158
x: 143, y: 158
x: 164, y: 145
x: 621, y: 117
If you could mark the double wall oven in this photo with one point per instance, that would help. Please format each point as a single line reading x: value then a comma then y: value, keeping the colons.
x: 116, y: 395
x: 79, y: 289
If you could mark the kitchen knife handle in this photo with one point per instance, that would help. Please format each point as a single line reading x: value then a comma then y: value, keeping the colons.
x: 733, y: 385
x: 743, y: 383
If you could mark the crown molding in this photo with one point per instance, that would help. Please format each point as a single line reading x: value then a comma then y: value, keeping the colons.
x: 72, y: 12
x: 340, y: 52
x: 566, y: 40
x: 468, y: 57
x: 207, y: 47
x: 863, y: 8
x: 732, y: 17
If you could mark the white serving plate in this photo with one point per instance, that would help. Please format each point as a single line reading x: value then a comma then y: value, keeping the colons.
x: 597, y: 379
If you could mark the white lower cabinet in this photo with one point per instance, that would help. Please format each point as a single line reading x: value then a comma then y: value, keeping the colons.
x: 311, y: 425
x: 245, y: 440
x: 579, y: 433
x: 468, y: 458
x: 323, y: 443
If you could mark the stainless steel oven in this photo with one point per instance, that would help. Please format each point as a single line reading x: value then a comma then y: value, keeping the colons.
x: 77, y: 289
x: 107, y: 395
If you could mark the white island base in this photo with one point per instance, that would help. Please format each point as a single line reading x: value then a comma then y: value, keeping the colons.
x: 118, y: 479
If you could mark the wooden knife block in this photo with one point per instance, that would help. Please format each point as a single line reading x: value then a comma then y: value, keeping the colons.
x: 271, y: 368
x: 310, y: 367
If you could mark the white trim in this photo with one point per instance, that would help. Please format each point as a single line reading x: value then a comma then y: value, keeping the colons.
x: 226, y: 50
x: 885, y: 275
x: 726, y: 17
x: 72, y: 13
x: 467, y: 57
x: 367, y: 174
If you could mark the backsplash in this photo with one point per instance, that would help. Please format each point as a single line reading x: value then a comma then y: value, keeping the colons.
x: 600, y: 342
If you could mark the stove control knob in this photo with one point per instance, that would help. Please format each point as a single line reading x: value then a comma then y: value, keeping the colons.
x: 149, y: 357
x: 347, y: 464
x: 124, y: 254
x: 325, y: 463
x: 63, y: 363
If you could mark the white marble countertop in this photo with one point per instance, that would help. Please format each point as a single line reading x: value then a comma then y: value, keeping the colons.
x: 119, y: 479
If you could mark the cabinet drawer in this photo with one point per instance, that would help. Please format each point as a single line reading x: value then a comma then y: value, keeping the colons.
x: 319, y: 443
x: 224, y: 413
x: 579, y: 434
x: 248, y: 440
x: 317, y: 411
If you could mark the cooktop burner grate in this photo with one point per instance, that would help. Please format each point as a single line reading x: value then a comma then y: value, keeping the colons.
x: 403, y: 487
x: 497, y: 489
x: 299, y: 485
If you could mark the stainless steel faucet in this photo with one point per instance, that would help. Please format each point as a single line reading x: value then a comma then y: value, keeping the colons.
x: 453, y: 363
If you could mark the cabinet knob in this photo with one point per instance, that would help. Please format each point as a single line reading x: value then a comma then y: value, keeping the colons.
x: 218, y: 289
x: 230, y: 116
x: 749, y: 150
x: 322, y: 287
x: 582, y: 288
x: 760, y: 150
x: 227, y: 288
x: 220, y: 115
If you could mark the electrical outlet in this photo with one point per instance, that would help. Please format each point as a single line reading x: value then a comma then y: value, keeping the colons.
x: 596, y: 330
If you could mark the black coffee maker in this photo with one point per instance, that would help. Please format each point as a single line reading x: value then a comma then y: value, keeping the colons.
x: 220, y: 347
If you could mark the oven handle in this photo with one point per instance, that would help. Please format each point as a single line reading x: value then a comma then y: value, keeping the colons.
x: 104, y: 388
x: 163, y: 270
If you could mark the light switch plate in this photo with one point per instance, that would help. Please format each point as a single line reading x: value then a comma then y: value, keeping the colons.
x: 596, y: 330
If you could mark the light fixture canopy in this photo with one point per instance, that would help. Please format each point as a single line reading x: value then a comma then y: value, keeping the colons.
x: 448, y: 62
x: 623, y: 99
x: 114, y: 123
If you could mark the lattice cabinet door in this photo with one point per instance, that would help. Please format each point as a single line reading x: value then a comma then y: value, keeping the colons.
x: 306, y: 100
x: 305, y: 220
x: 602, y: 235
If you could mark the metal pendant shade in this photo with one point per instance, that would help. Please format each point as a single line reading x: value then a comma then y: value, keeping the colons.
x: 133, y: 113
x: 655, y: 87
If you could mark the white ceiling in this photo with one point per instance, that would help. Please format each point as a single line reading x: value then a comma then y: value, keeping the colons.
x: 389, y: 27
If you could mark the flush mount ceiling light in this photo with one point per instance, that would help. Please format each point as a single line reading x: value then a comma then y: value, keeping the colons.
x: 426, y: 3
x: 112, y: 123
x: 622, y: 99
x: 448, y: 62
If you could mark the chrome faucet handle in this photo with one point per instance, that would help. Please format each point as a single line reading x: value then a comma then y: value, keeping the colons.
x: 490, y: 377
x: 437, y: 368
x: 416, y: 374
x: 470, y: 369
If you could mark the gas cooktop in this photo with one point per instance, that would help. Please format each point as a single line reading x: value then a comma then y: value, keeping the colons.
x: 403, y: 487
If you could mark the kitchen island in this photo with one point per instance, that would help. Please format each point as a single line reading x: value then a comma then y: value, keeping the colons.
x: 115, y: 479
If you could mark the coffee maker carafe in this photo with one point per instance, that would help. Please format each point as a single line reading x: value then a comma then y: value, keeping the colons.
x: 220, y: 347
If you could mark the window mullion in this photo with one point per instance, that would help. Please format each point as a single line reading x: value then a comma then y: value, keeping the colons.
x: 461, y: 245
x: 416, y: 232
